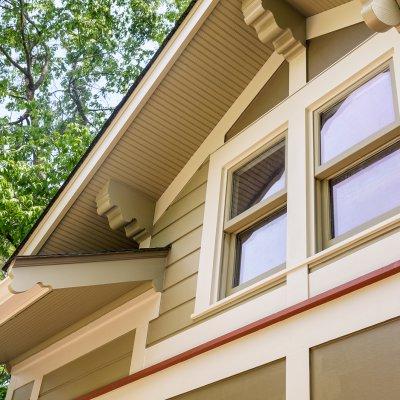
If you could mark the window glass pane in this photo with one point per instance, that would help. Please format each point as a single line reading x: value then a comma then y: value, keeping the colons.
x: 366, y: 192
x: 258, y: 180
x: 261, y: 248
x: 363, y: 113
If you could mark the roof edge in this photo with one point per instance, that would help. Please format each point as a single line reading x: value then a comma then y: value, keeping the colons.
x: 101, y: 132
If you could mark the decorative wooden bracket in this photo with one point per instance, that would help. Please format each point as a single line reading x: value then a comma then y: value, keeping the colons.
x: 381, y: 15
x: 126, y: 208
x: 276, y: 23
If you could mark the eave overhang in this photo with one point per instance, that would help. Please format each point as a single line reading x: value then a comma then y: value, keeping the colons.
x: 46, y: 296
x: 77, y: 270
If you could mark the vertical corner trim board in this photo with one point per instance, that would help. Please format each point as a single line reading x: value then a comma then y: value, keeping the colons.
x: 312, y: 302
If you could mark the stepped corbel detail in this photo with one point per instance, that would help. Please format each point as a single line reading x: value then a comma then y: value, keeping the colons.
x: 126, y: 208
x: 287, y: 35
x: 381, y: 15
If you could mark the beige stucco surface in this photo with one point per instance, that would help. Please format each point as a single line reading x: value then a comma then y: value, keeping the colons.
x: 362, y: 366
x: 265, y: 382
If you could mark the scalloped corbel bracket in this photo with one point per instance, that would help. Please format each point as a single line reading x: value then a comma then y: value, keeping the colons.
x: 381, y: 15
x: 126, y: 208
x: 277, y: 23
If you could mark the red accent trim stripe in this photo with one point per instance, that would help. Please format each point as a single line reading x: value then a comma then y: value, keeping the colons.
x: 279, y: 316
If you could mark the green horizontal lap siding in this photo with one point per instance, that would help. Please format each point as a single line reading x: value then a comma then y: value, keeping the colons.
x: 91, y: 371
x: 262, y: 383
x: 181, y: 227
x: 362, y: 366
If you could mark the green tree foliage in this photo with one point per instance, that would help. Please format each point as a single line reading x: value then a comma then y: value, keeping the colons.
x: 64, y: 64
x: 4, y: 380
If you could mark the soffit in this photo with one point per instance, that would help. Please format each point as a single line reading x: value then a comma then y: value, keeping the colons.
x: 209, y: 75
x: 59, y: 311
x: 312, y: 7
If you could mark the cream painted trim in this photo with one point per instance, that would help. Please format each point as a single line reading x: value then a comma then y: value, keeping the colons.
x: 362, y: 60
x: 11, y: 304
x: 36, y: 388
x: 216, y: 138
x: 381, y: 15
x: 298, y: 72
x: 128, y: 112
x: 11, y: 387
x: 298, y: 374
x: 88, y: 274
x: 296, y: 275
x: 265, y: 22
x: 334, y: 19
x: 136, y: 313
x: 139, y: 348
x: 351, y: 313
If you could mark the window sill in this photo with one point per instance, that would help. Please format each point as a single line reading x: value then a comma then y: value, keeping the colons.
x: 247, y: 292
x: 313, y: 261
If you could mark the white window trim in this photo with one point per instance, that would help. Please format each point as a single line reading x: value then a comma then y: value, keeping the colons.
x: 295, y: 115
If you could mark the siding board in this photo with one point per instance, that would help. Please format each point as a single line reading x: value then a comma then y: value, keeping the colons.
x: 181, y: 226
x: 182, y: 269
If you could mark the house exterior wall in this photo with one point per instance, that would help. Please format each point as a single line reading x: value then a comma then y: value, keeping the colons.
x: 95, y: 369
x: 180, y: 226
x: 324, y: 50
x: 273, y: 92
x: 326, y: 311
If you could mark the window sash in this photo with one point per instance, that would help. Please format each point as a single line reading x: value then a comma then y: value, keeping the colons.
x: 249, y: 218
x: 236, y: 270
x: 326, y: 206
x: 365, y: 146
x: 348, y: 160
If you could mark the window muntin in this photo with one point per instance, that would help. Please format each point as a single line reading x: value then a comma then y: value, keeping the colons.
x: 366, y: 192
x: 261, y: 249
x: 258, y: 180
x: 367, y: 110
x: 255, y: 219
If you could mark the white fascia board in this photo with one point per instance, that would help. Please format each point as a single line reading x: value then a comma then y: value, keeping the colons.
x: 336, y: 18
x: 63, y: 276
x: 119, y: 124
x: 216, y: 138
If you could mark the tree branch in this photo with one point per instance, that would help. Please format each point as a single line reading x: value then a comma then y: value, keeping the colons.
x: 45, y: 69
x: 14, y: 63
x: 21, y: 119
x: 76, y: 99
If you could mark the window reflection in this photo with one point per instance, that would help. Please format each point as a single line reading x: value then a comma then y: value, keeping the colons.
x: 261, y: 249
x: 366, y: 192
x: 258, y: 180
x: 364, y: 112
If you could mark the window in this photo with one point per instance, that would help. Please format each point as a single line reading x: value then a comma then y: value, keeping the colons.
x: 358, y: 159
x: 255, y: 223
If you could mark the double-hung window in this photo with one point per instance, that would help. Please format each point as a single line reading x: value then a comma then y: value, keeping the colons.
x: 255, y: 219
x: 358, y: 158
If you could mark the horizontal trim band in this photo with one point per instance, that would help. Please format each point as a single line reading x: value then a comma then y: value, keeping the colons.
x: 312, y: 302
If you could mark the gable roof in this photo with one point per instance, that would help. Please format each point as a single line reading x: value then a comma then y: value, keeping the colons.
x: 210, y: 57
x: 212, y: 54
x: 103, y: 129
